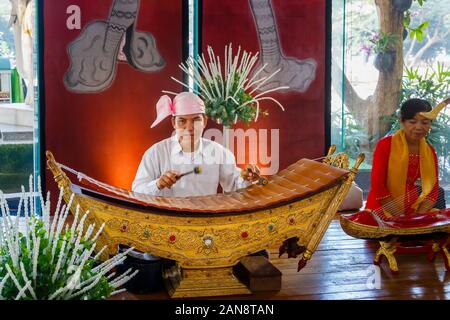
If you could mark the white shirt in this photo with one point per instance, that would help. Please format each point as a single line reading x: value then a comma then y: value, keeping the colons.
x: 218, y: 166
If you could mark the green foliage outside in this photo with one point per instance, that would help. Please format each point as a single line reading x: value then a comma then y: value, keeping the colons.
x: 418, y: 32
x: 16, y: 165
x: 16, y: 158
x: 424, y: 21
x: 434, y: 86
x: 384, y: 42
x: 7, y: 48
x: 9, y: 182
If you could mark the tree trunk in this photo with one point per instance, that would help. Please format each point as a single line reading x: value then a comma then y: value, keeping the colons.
x: 385, y: 100
x: 355, y: 104
x: 388, y: 89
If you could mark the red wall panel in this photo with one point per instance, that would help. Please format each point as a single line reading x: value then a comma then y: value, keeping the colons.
x: 301, y: 29
x: 104, y: 134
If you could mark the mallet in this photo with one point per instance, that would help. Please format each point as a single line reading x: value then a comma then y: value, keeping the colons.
x: 261, y: 180
x: 197, y: 170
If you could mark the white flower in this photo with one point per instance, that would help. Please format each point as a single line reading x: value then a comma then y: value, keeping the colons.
x: 71, y: 258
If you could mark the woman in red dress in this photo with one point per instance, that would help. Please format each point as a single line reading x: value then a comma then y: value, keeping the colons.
x: 402, y: 159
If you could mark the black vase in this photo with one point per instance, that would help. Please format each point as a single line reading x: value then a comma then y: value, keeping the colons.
x: 149, y: 278
x: 384, y: 62
x: 402, y: 5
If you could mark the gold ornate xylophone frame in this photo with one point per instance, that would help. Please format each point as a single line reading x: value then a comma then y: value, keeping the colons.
x: 206, y: 248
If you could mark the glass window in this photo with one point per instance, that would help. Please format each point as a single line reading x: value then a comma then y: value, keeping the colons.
x: 365, y: 100
x: 19, y: 131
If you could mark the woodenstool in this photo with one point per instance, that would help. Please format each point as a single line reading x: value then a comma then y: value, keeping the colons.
x: 258, y: 274
x: 431, y: 245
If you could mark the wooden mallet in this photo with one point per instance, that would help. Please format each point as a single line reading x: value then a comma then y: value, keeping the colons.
x: 261, y: 180
x: 196, y: 170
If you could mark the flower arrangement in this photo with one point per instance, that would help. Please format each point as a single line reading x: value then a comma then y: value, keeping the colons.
x: 50, y: 260
x: 229, y: 93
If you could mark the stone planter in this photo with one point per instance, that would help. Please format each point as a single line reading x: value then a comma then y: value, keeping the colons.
x: 402, y: 5
x: 384, y: 62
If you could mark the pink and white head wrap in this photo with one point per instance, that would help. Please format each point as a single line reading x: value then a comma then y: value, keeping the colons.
x: 184, y: 103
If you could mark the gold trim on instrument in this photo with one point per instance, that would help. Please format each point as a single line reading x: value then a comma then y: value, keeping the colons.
x: 206, y: 248
x: 434, y: 113
x: 391, y: 238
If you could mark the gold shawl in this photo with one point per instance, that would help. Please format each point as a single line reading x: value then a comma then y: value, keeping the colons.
x: 398, y: 168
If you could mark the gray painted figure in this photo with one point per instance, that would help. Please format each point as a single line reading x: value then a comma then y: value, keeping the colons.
x: 94, y: 54
x: 295, y: 73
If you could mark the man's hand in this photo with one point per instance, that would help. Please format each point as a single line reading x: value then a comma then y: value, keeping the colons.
x: 250, y: 172
x: 168, y: 179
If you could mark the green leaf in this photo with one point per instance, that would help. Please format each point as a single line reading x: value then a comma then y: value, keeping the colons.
x: 423, y: 25
x: 419, y: 35
x: 407, y: 19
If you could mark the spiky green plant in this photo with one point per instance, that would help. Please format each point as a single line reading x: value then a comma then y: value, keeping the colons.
x: 229, y: 94
x: 44, y: 259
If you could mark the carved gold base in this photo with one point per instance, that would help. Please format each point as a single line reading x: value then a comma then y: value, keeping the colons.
x: 191, y: 283
x: 441, y: 247
x: 446, y: 256
x: 387, y: 249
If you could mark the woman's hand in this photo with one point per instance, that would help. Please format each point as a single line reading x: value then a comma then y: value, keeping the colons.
x: 425, y: 206
x: 392, y: 206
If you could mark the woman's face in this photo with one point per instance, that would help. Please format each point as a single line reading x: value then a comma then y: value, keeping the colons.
x: 416, y: 128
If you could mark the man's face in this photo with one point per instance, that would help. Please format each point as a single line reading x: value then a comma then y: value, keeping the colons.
x: 189, y: 128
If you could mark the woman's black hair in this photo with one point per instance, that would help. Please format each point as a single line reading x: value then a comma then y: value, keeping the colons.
x: 412, y: 106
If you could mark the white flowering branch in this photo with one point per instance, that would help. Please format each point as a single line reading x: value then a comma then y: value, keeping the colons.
x: 52, y: 255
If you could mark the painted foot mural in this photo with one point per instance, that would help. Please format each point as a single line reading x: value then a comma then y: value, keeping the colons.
x: 94, y: 54
x: 295, y: 73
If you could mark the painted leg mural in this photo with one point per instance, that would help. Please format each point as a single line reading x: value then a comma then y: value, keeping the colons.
x: 94, y: 54
x: 295, y: 73
x: 23, y: 23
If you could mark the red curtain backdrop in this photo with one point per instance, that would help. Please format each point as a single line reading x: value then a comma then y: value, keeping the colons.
x: 105, y: 134
x: 302, y: 33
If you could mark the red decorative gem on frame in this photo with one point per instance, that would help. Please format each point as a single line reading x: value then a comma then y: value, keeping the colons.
x: 172, y: 238
x: 124, y: 228
x: 244, y: 234
x: 291, y: 220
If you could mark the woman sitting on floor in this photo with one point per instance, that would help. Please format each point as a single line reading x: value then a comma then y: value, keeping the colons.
x: 399, y: 161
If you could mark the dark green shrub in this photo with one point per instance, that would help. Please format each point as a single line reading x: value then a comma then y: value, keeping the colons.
x: 16, y: 158
x: 16, y: 165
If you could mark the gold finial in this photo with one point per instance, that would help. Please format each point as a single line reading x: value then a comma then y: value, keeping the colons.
x: 358, y: 162
x: 49, y: 155
x: 331, y: 150
x: 434, y: 113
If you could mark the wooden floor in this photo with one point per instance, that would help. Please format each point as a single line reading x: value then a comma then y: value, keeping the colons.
x: 341, y: 269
